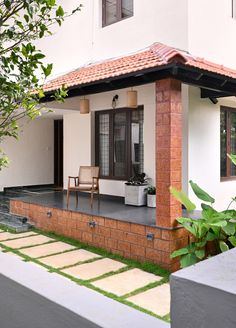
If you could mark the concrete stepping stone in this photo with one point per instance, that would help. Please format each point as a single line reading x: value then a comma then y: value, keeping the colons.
x: 48, y: 249
x: 94, y: 269
x: 126, y: 282
x: 68, y: 258
x: 26, y: 242
x: 156, y: 300
x: 9, y: 235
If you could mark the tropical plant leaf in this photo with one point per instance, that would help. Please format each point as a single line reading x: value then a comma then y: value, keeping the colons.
x: 183, y: 199
x: 200, y: 193
x: 188, y: 224
x: 187, y: 260
x: 211, y: 236
x: 232, y: 157
x: 223, y: 246
x: 220, y: 224
x: 229, y: 229
x: 232, y: 239
x: 200, y: 253
x: 179, y: 252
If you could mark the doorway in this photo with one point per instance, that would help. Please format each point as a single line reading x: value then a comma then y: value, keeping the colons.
x: 58, y: 153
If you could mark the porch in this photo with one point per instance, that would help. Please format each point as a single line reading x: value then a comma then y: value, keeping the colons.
x: 121, y: 229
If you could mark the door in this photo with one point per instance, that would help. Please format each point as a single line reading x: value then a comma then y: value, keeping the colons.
x: 58, y: 153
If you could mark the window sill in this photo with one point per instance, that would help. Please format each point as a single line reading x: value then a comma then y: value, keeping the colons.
x: 118, y: 21
x: 225, y: 179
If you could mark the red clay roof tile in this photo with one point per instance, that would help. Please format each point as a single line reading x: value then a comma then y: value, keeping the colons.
x: 156, y: 55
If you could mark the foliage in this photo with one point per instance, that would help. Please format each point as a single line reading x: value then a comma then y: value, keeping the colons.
x: 217, y: 229
x: 21, y: 64
x: 137, y: 180
x: 151, y: 190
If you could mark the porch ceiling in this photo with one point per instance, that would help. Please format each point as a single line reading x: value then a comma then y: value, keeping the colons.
x: 155, y: 63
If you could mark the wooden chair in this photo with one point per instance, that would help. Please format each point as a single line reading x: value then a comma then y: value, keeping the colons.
x: 87, y: 180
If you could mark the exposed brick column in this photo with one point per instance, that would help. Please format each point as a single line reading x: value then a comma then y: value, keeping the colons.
x: 168, y: 150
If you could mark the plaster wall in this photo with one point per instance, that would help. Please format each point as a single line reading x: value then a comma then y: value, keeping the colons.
x: 79, y: 136
x: 31, y: 157
x: 204, y: 148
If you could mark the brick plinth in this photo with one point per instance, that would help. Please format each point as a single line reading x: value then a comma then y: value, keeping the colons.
x: 168, y: 150
x: 118, y: 237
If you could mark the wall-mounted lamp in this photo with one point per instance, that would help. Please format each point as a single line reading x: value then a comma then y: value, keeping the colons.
x: 132, y: 99
x: 213, y: 100
x: 92, y: 224
x: 49, y: 214
x: 114, y: 101
x: 84, y: 106
x: 150, y: 236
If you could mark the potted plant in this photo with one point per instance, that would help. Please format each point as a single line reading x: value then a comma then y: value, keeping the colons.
x: 135, y: 193
x: 151, y: 196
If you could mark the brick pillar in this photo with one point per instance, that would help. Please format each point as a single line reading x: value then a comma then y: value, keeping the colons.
x: 168, y: 150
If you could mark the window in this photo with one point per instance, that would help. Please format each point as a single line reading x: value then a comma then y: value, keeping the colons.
x: 115, y: 10
x: 119, y: 142
x: 228, y: 141
x: 234, y: 9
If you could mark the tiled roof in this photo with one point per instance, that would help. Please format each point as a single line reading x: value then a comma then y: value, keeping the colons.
x: 157, y: 55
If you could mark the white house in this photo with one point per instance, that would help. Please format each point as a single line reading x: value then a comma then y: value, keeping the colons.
x: 97, y: 39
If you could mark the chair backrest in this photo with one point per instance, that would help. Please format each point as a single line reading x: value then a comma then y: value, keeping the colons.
x: 87, y: 173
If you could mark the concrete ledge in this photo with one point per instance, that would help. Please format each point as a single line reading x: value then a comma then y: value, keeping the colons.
x: 84, y: 302
x: 204, y: 295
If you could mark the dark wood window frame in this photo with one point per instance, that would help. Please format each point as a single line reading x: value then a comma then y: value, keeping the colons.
x: 118, y: 13
x: 228, y: 111
x: 111, y: 112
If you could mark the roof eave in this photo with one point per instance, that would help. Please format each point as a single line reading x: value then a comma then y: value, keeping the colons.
x: 209, y: 82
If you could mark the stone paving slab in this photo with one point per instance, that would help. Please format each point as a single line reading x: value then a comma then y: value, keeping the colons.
x: 69, y: 258
x: 126, y: 282
x: 48, y: 249
x: 156, y: 300
x: 26, y: 242
x: 103, y: 311
x: 9, y: 235
x: 94, y: 269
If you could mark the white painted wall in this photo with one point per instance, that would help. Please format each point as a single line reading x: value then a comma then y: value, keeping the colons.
x: 31, y: 157
x: 77, y: 143
x: 79, y: 138
x: 82, y: 39
x: 212, y: 31
x: 204, y: 148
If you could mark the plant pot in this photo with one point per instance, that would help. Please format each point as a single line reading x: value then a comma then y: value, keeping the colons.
x: 135, y: 195
x: 151, y: 200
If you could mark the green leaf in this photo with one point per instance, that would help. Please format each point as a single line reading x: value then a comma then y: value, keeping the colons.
x: 200, y: 193
x: 183, y: 199
x: 200, y: 253
x: 41, y: 93
x: 229, y: 229
x: 218, y: 224
x: 179, y: 252
x: 223, y: 246
x: 232, y: 157
x: 188, y: 224
x: 60, y: 12
x: 211, y: 236
x: 232, y: 239
x: 187, y: 260
x: 47, y: 70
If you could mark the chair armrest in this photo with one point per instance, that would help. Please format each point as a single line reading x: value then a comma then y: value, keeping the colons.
x: 74, y: 178
x: 95, y: 181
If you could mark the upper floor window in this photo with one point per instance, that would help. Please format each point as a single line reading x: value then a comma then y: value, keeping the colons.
x: 233, y: 9
x: 115, y: 10
x: 227, y: 141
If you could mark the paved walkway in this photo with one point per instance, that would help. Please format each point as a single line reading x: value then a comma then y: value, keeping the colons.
x: 136, y: 286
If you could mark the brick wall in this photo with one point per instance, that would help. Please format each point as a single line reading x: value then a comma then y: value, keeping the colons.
x: 119, y: 237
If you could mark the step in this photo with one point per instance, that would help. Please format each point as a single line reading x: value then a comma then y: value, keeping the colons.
x: 15, y: 222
